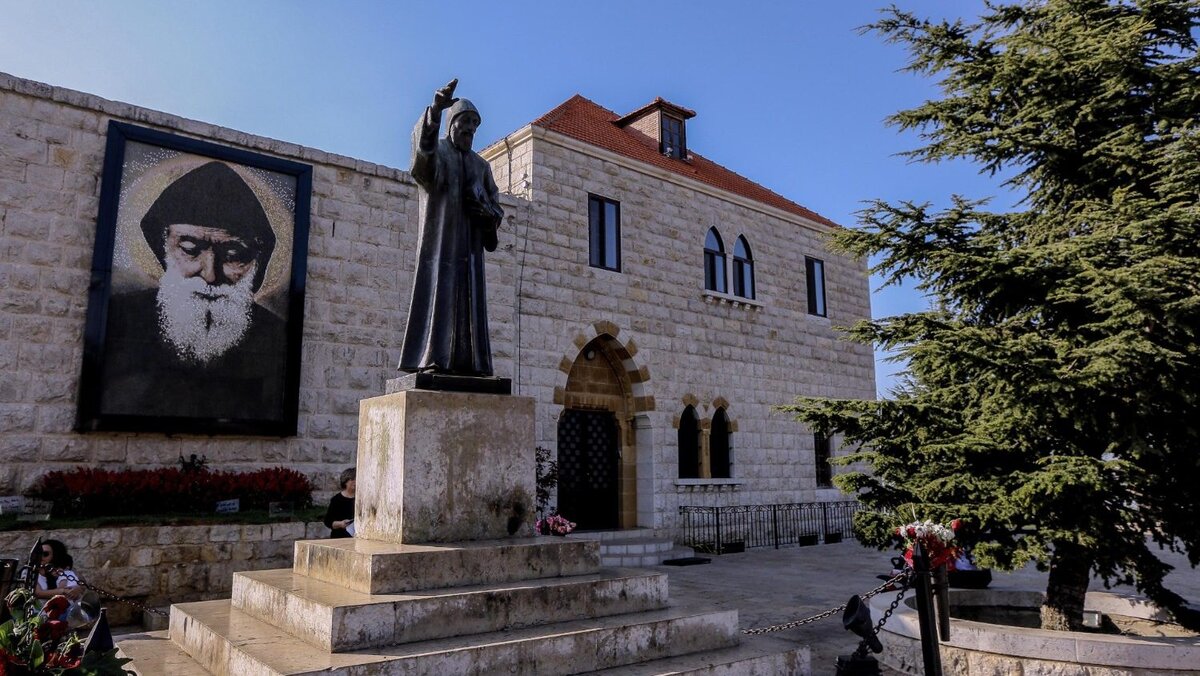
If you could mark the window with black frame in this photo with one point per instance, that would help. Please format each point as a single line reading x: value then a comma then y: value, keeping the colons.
x: 743, y: 269
x: 604, y: 233
x: 689, y: 444
x: 673, y: 144
x: 824, y: 451
x: 714, y: 262
x: 719, y: 445
x: 815, y: 278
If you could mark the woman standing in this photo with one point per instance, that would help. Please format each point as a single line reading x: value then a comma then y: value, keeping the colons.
x: 340, y: 515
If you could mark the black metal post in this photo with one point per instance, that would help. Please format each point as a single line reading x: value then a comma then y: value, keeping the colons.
x: 718, y: 545
x: 775, y: 523
x: 941, y: 594
x: 824, y: 522
x: 930, y: 653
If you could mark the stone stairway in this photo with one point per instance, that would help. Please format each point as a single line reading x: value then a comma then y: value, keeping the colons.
x: 522, y: 606
x: 633, y: 548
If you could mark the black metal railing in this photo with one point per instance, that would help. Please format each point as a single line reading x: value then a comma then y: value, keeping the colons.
x: 721, y: 530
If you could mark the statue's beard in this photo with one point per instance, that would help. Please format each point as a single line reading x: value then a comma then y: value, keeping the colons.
x: 203, y: 321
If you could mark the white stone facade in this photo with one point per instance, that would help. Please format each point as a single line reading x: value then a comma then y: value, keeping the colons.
x: 546, y: 303
x: 692, y: 344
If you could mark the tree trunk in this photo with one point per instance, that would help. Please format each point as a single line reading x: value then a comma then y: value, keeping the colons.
x: 1070, y: 572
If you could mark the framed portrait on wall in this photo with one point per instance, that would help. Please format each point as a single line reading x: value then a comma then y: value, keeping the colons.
x: 196, y: 303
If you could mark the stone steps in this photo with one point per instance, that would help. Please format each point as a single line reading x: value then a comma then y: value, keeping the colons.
x: 154, y: 654
x: 229, y: 642
x: 618, y: 534
x: 333, y: 618
x: 435, y: 467
x: 752, y: 657
x: 635, y: 552
x: 632, y: 548
x: 376, y: 567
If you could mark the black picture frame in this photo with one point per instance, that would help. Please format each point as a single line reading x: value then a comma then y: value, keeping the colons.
x: 196, y: 304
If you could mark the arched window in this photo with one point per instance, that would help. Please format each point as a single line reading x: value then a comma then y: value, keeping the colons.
x: 714, y: 262
x: 743, y: 269
x: 719, y: 445
x: 689, y: 444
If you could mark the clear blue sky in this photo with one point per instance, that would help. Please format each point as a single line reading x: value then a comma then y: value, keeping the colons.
x: 787, y: 93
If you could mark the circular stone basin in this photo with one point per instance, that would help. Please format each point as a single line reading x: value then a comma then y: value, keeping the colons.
x: 982, y: 648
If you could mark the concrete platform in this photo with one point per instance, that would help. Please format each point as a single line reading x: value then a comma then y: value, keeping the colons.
x: 376, y: 567
x: 773, y: 586
x: 227, y: 641
x: 332, y: 618
x: 754, y: 657
x: 154, y: 654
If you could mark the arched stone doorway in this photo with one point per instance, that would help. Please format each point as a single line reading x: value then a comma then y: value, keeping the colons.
x: 597, y: 437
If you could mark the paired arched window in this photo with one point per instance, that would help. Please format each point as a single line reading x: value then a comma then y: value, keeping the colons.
x: 718, y: 445
x: 743, y: 269
x: 705, y: 453
x: 689, y: 444
x: 714, y: 262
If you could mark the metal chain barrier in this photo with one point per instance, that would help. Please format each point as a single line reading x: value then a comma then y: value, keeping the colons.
x: 903, y: 576
x: 102, y: 592
x: 862, y: 646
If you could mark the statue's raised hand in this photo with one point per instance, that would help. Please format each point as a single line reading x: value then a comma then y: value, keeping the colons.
x: 444, y: 97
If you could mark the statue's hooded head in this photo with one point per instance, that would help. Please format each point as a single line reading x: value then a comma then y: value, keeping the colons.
x: 463, y: 119
x: 212, y: 196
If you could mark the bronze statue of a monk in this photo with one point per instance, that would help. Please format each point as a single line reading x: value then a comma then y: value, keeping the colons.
x: 460, y: 212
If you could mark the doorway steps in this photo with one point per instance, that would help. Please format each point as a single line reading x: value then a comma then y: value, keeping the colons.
x: 634, y: 547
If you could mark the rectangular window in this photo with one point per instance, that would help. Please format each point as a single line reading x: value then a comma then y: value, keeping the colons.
x: 672, y: 137
x: 743, y: 278
x: 823, y: 453
x: 714, y: 271
x: 814, y: 269
x: 604, y: 233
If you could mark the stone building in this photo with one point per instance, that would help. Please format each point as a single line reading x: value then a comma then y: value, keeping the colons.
x: 642, y: 294
x: 664, y: 305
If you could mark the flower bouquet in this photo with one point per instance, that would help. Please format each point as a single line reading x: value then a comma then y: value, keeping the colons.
x: 937, y: 541
x: 36, y: 641
x: 554, y: 525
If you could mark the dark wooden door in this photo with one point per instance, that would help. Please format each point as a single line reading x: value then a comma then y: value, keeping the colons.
x: 588, y: 464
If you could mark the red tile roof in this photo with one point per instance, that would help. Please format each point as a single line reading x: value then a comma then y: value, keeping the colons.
x: 586, y: 121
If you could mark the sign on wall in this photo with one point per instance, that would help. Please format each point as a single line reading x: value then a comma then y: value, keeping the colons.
x: 195, y: 310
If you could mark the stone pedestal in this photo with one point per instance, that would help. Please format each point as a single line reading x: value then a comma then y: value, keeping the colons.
x: 445, y: 467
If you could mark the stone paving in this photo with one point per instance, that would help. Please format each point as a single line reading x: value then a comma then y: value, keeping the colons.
x: 770, y: 586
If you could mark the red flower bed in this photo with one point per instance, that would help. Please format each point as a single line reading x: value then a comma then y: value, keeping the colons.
x: 86, y: 491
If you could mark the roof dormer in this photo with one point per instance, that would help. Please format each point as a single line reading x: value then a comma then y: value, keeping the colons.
x: 664, y: 123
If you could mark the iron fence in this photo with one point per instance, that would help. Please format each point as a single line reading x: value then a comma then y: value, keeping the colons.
x: 720, y: 530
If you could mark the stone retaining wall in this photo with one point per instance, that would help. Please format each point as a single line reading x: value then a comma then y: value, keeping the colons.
x: 160, y: 565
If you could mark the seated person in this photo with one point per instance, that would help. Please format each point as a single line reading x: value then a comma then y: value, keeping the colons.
x: 339, y: 518
x: 55, y: 577
x: 54, y: 574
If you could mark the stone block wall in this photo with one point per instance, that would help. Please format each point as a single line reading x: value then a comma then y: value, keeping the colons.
x: 360, y: 260
x: 160, y: 565
x: 688, y: 345
x: 674, y: 342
